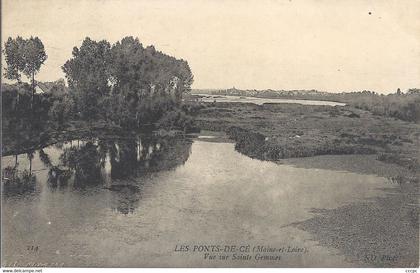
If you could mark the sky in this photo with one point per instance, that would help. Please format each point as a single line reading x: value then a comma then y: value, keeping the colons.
x: 328, y: 45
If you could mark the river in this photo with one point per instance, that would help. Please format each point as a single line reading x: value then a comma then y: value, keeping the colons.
x: 260, y: 101
x: 133, y: 202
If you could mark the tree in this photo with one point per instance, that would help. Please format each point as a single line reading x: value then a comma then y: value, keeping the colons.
x: 13, y: 54
x: 61, y: 111
x: 88, y: 77
x: 125, y: 83
x: 34, y: 56
x: 24, y: 56
x: 413, y: 91
x: 146, y: 80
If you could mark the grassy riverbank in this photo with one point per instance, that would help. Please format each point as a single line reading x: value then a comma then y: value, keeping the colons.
x: 278, y: 131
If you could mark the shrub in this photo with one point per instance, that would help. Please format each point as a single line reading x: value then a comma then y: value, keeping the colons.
x: 176, y: 119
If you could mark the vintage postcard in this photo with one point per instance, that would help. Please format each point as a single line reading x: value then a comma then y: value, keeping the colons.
x: 210, y: 133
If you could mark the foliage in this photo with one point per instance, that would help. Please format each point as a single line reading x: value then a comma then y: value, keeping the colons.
x: 87, y: 76
x: 21, y: 123
x: 176, y: 119
x: 13, y: 54
x: 61, y: 111
x: 402, y: 106
x: 33, y: 56
x: 24, y: 56
x: 125, y: 83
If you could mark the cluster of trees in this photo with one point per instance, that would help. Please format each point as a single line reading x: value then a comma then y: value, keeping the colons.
x: 22, y: 123
x: 400, y: 105
x: 404, y: 106
x: 125, y: 83
x: 24, y: 114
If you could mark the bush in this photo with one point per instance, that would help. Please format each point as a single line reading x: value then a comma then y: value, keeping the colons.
x: 176, y: 119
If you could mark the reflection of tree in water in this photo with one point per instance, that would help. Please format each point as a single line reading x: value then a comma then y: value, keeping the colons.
x: 17, y: 182
x: 136, y: 157
x: 122, y: 156
x: 125, y: 198
x: 166, y: 154
x: 120, y: 165
x: 133, y: 158
x: 122, y: 161
x: 58, y: 176
x: 85, y: 162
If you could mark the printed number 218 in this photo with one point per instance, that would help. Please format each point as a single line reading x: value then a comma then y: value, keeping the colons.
x: 32, y: 248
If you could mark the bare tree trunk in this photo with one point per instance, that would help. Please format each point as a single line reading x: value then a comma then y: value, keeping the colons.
x: 16, y: 160
x: 30, y: 166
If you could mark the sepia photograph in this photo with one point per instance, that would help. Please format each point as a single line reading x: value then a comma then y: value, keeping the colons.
x: 210, y: 134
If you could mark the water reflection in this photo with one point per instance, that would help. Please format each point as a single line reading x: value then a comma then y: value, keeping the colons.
x: 114, y: 164
x: 126, y: 198
x: 219, y: 196
x: 17, y: 182
x: 84, y: 162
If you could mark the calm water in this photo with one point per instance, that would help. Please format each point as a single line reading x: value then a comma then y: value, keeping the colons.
x: 130, y: 202
x: 260, y: 101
